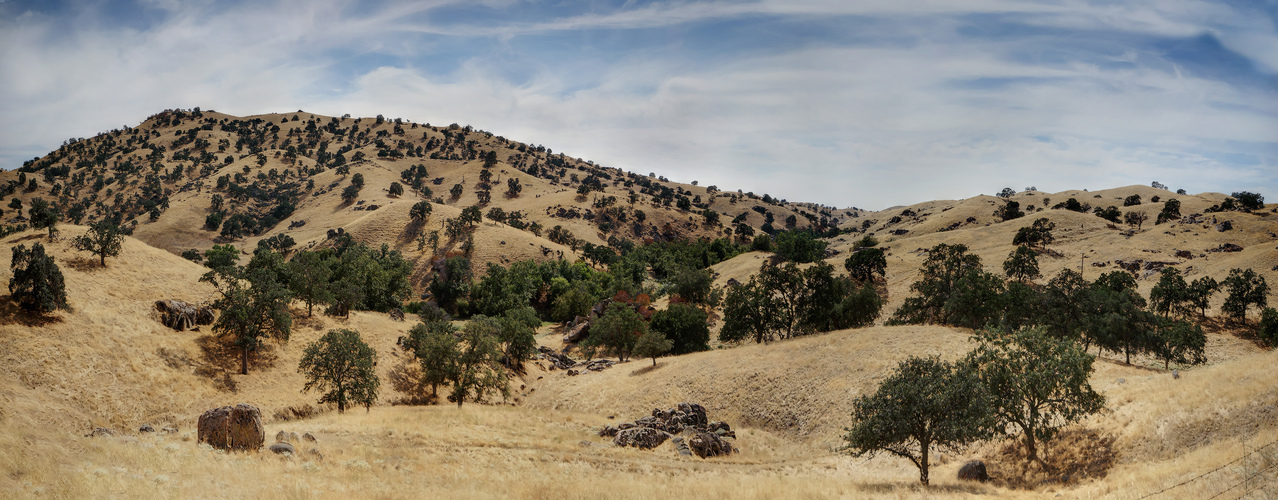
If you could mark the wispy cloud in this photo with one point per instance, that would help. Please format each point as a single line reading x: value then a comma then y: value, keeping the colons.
x: 845, y: 103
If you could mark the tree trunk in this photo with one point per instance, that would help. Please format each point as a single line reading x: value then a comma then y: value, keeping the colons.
x: 244, y: 360
x: 1031, y: 448
x: 102, y: 259
x: 654, y: 361
x: 923, y: 465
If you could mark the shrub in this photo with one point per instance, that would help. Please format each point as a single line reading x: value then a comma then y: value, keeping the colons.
x: 685, y: 326
x: 37, y: 282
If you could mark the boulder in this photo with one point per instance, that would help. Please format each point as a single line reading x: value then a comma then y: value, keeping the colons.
x: 169, y: 430
x: 645, y: 438
x: 1225, y: 226
x: 182, y: 316
x: 146, y: 428
x: 308, y: 437
x: 282, y: 448
x: 281, y: 437
x: 709, y: 444
x: 236, y: 427
x: 577, y: 332
x: 973, y: 471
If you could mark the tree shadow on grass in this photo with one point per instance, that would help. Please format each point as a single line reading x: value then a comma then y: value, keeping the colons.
x: 13, y: 314
x: 646, y: 369
x: 221, y: 353
x: 84, y: 264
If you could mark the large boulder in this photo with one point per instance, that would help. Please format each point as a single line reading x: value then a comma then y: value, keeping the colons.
x: 236, y: 427
x: 182, y: 316
x: 709, y: 444
x: 973, y: 471
x: 645, y: 438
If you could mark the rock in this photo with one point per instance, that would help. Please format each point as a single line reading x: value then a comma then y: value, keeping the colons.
x: 314, y: 454
x: 708, y: 444
x: 973, y: 471
x: 645, y: 438
x: 281, y: 437
x: 182, y: 316
x: 1184, y: 254
x: 1224, y: 226
x: 146, y: 428
x: 100, y: 431
x: 282, y: 448
x: 292, y: 438
x: 577, y: 332
x: 681, y: 446
x: 169, y: 430
x: 236, y: 427
x: 308, y: 437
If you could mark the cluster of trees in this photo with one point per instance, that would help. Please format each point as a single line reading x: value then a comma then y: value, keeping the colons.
x: 1024, y: 383
x: 471, y: 361
x: 783, y: 301
x: 954, y: 289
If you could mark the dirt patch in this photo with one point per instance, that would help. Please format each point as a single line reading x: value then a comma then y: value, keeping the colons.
x: 1075, y: 455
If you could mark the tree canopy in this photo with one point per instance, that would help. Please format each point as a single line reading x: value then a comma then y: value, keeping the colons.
x: 342, y: 366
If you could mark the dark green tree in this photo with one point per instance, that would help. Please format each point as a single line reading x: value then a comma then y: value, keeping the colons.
x: 1180, y: 342
x: 1022, y: 264
x: 1111, y: 213
x: 1132, y: 200
x: 975, y: 300
x: 1170, y: 212
x: 1245, y: 288
x: 1038, y: 383
x: 684, y: 325
x: 1249, y: 201
x: 800, y: 246
x: 652, y: 345
x: 104, y: 239
x: 44, y: 216
x: 37, y: 282
x: 450, y: 286
x: 1038, y: 234
x: 475, y: 370
x: 617, y: 331
x: 342, y: 366
x: 420, y: 211
x: 436, y: 345
x: 1200, y: 292
x: 1171, y: 294
x: 253, y: 306
x: 749, y: 313
x: 396, y: 189
x: 516, y: 334
x: 1136, y: 218
x: 944, y: 266
x: 866, y: 262
x: 221, y: 256
x: 308, y: 278
x: 924, y: 404
x: 1269, y: 326
x: 1010, y: 210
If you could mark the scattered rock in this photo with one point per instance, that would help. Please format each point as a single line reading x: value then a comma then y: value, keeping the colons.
x: 974, y: 471
x: 314, y: 454
x: 236, y: 427
x: 1224, y: 226
x: 308, y: 437
x: 709, y: 444
x: 169, y: 430
x: 1226, y: 247
x: 281, y: 437
x: 282, y: 448
x: 645, y: 438
x: 560, y: 361
x: 146, y: 428
x: 100, y: 431
x: 1184, y: 254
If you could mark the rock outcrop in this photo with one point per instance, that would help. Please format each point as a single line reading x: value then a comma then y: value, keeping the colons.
x: 236, y: 427
x: 182, y: 316
x: 973, y: 471
x: 704, y: 437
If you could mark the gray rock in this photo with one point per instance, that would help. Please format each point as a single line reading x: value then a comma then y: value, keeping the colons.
x: 281, y: 448
x: 645, y: 438
x: 146, y: 428
x: 308, y: 437
x: 100, y: 431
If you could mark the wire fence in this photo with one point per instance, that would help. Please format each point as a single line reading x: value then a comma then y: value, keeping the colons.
x: 1249, y: 476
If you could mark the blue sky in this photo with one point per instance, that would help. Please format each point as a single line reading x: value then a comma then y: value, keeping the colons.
x: 848, y: 103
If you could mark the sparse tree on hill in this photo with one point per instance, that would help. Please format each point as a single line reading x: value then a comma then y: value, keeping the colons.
x: 1249, y: 201
x: 44, y: 216
x: 1110, y: 213
x: 944, y: 267
x: 1170, y: 212
x: 221, y: 256
x: 396, y: 189
x: 341, y: 364
x: 1245, y: 288
x: 1200, y: 292
x: 866, y: 262
x: 1038, y: 234
x: 104, y: 239
x: 1136, y: 218
x: 1038, y: 383
x: 925, y: 403
x: 1010, y: 210
x: 37, y: 282
x: 1269, y: 326
x: 436, y: 345
x: 1170, y: 294
x: 1006, y: 193
x: 249, y: 313
x: 475, y: 370
x: 1022, y: 264
x: 420, y: 211
x: 652, y: 345
x: 1132, y: 200
x: 617, y: 331
x: 309, y: 273
x: 1181, y: 342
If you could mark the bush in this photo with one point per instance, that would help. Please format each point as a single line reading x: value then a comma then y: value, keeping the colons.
x: 37, y: 282
x: 1249, y: 201
x: 1038, y: 234
x: 1111, y: 214
x: 864, y: 263
x: 1268, y: 331
x: 1010, y: 210
x: 1132, y: 200
x: 193, y: 255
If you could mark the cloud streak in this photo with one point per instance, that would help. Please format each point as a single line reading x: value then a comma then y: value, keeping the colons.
x: 869, y: 104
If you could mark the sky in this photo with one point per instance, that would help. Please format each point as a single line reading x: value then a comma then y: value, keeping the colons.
x: 866, y: 103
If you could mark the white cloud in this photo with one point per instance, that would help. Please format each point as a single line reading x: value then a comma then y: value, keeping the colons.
x: 944, y: 117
